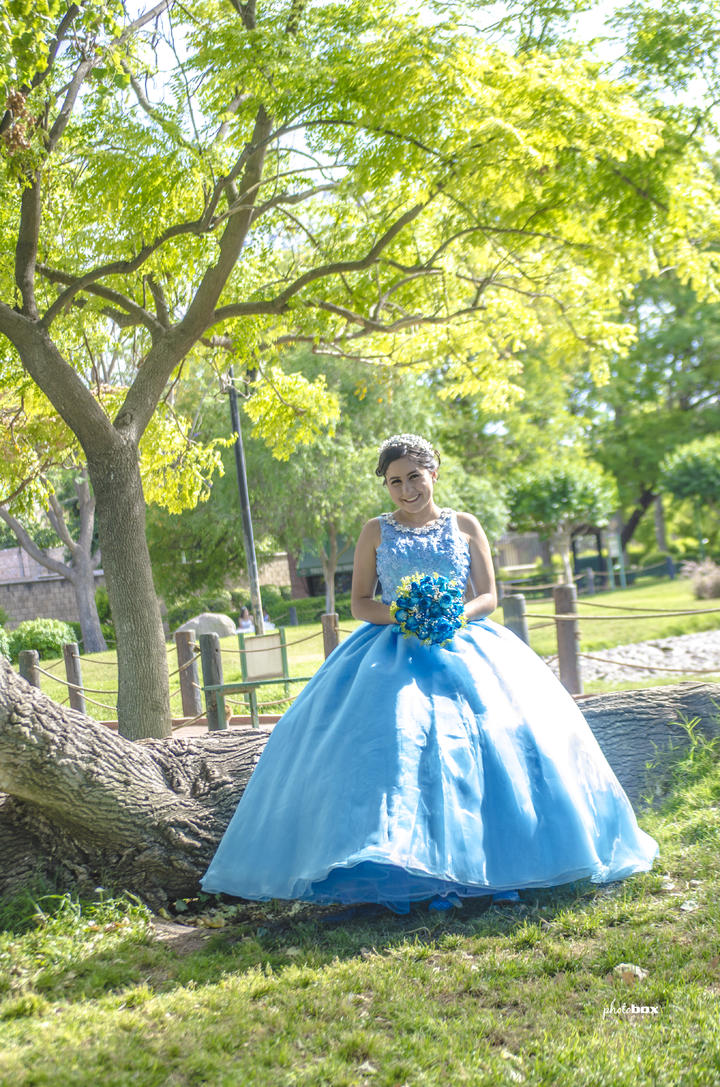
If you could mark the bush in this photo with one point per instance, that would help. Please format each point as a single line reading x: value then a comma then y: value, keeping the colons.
x: 705, y: 577
x: 654, y: 559
x: 308, y: 608
x: 102, y: 604
x: 4, y: 644
x: 47, y: 636
x: 108, y: 633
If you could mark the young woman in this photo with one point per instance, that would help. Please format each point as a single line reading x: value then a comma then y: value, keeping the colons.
x: 406, y: 772
x: 245, y: 622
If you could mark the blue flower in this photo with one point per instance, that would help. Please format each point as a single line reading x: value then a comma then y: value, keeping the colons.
x: 429, y: 607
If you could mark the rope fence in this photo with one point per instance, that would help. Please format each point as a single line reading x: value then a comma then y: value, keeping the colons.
x: 653, y: 667
x: 192, y: 657
x: 573, y: 617
x: 567, y: 620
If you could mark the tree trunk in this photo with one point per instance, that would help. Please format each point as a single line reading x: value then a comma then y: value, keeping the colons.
x: 329, y: 565
x: 83, y: 583
x: 660, y: 526
x: 144, y: 697
x: 86, y: 806
x: 645, y: 500
x: 561, y: 540
x: 80, y: 572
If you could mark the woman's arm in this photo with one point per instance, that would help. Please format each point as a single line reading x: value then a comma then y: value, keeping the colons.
x: 364, y: 578
x: 481, y: 568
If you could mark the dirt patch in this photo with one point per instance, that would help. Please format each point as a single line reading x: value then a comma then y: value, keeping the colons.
x: 181, y: 938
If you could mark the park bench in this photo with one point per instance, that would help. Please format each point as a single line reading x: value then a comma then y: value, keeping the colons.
x: 263, y: 662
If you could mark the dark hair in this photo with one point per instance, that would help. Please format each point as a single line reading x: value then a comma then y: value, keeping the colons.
x: 402, y: 448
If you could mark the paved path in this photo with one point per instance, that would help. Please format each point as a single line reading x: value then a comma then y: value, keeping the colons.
x: 687, y: 652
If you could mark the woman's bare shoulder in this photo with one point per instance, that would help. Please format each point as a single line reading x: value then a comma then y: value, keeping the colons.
x: 468, y: 523
x: 371, y: 531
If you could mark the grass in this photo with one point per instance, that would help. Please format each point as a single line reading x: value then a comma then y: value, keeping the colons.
x: 282, y: 995
x: 306, y: 654
x: 610, y: 631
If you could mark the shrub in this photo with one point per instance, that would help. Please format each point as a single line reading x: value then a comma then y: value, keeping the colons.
x: 4, y: 644
x: 108, y: 633
x: 47, y: 636
x: 308, y: 608
x: 705, y: 577
x: 102, y: 604
x: 651, y: 559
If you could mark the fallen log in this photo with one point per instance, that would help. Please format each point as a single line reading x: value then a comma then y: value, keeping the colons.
x: 83, y: 806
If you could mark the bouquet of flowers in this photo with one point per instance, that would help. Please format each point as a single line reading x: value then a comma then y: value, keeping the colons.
x: 429, y: 607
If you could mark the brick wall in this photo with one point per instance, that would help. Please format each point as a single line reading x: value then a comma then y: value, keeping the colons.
x: 50, y: 598
x: 277, y: 571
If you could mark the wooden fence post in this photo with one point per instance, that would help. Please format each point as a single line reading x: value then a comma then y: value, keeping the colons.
x: 590, y: 580
x: 331, y: 632
x: 212, y: 671
x: 514, y: 618
x: 73, y: 674
x: 28, y: 660
x: 188, y: 675
x: 568, y: 638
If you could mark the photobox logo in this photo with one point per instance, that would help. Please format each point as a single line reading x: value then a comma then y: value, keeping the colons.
x: 630, y: 1009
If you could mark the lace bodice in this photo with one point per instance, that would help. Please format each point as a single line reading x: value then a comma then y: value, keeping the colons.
x: 437, y: 547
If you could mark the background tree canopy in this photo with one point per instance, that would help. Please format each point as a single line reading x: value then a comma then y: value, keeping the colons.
x: 404, y: 189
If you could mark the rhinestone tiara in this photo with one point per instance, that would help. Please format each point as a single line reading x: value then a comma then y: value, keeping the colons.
x: 414, y: 441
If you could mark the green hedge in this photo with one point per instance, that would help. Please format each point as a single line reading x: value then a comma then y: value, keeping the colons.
x: 308, y: 608
x: 4, y: 643
x: 47, y: 636
x: 277, y: 603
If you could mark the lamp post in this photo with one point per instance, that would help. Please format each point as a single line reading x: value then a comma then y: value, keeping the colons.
x: 248, y: 540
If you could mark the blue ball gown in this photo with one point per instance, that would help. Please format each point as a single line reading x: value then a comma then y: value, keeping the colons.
x: 403, y: 771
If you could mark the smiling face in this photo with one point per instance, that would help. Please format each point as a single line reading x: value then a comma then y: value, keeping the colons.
x: 411, y: 488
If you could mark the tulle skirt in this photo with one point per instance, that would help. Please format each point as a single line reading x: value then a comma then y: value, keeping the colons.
x: 404, y: 771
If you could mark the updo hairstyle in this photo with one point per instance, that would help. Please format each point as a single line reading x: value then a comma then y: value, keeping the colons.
x: 407, y: 445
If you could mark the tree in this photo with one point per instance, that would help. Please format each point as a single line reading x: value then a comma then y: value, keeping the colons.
x: 84, y: 559
x: 41, y: 460
x: 556, y: 502
x: 692, y: 472
x: 458, y: 213
x: 147, y: 818
x: 320, y: 496
x: 661, y: 394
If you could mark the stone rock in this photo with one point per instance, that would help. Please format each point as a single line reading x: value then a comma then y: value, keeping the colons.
x: 210, y: 622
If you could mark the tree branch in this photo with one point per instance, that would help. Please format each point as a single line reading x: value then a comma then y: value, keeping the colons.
x: 155, y: 115
x: 40, y: 77
x: 148, y: 386
x: 161, y: 306
x: 28, y: 545
x: 58, y: 380
x: 61, y: 121
x: 55, y: 275
x: 86, y: 506
x: 277, y: 305
x: 27, y: 247
x: 56, y: 517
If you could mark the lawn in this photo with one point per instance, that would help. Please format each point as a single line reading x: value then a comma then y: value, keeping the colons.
x: 306, y: 652
x: 577, y: 986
